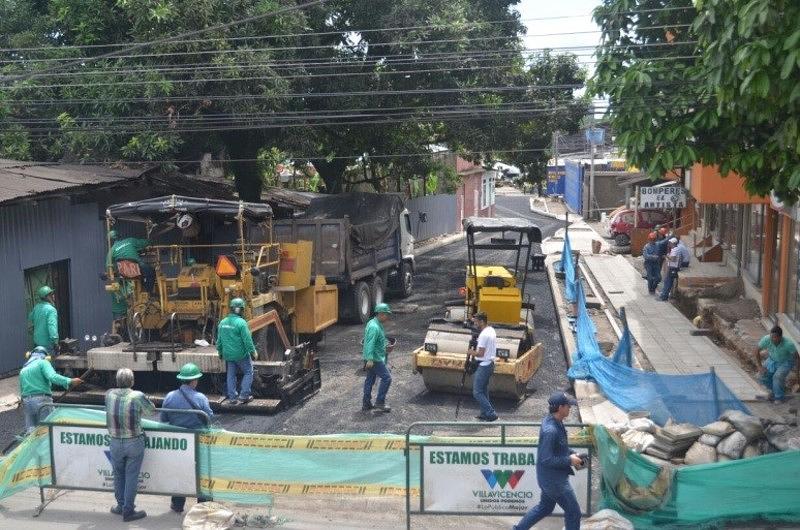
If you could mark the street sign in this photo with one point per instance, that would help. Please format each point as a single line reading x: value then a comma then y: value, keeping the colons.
x: 489, y: 480
x: 595, y: 136
x: 662, y: 197
x: 82, y: 459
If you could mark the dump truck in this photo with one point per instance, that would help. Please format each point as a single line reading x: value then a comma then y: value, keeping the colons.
x: 499, y: 291
x: 204, y: 253
x: 362, y: 244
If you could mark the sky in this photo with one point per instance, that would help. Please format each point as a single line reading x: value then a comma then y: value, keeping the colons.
x: 580, y: 20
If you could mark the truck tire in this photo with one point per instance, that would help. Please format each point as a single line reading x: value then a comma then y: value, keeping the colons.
x: 361, y: 300
x: 406, y: 280
x: 378, y: 290
x: 622, y: 240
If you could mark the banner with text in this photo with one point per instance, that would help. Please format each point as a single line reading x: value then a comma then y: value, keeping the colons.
x: 490, y: 480
x: 82, y: 459
x: 662, y: 197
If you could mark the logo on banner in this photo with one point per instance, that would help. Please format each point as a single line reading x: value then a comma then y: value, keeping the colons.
x: 502, y: 478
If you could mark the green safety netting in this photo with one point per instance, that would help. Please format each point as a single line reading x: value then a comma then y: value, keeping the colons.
x: 701, y: 496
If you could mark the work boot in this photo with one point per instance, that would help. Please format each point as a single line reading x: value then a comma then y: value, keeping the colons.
x: 245, y: 400
x: 382, y: 407
x: 366, y: 407
x: 134, y: 516
x: 116, y: 510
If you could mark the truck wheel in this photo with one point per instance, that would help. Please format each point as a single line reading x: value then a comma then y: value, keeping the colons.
x: 378, y: 290
x: 362, y: 298
x: 406, y: 280
x: 622, y: 240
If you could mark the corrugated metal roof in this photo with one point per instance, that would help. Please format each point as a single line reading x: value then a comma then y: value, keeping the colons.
x: 28, y: 179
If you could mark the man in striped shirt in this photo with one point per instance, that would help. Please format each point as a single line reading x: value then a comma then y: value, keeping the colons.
x: 124, y: 410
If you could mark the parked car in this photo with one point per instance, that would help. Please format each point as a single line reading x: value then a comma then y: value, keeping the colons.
x: 620, y: 222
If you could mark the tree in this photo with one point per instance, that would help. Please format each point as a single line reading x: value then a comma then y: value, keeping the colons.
x: 715, y: 83
x: 327, y: 84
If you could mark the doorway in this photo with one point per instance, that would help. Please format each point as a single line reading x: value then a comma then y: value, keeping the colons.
x: 56, y: 275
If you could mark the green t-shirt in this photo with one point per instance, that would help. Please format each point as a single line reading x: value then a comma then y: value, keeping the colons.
x: 783, y: 351
x: 374, y: 341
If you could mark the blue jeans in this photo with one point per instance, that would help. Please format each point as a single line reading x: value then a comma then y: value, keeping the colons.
x: 378, y: 370
x: 480, y: 389
x: 775, y: 376
x: 653, y: 270
x: 669, y: 281
x: 30, y: 406
x: 246, y: 367
x: 547, y: 503
x: 126, y: 459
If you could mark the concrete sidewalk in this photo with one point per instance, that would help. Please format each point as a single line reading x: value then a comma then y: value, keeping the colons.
x: 84, y: 510
x: 662, y: 331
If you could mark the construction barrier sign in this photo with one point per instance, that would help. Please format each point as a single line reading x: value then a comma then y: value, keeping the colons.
x: 490, y: 480
x: 82, y: 459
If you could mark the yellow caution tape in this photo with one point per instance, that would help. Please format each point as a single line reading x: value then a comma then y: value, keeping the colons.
x: 250, y: 487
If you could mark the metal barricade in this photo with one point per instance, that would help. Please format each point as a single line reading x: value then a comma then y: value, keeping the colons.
x: 505, y: 443
x: 101, y: 440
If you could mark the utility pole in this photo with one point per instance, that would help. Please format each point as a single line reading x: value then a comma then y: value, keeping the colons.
x: 555, y: 154
x: 591, y: 166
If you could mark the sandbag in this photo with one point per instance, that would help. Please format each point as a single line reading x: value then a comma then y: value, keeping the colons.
x: 732, y: 446
x: 637, y: 440
x: 700, y: 454
x: 719, y: 428
x: 751, y: 450
x: 710, y: 439
x: 209, y: 516
x: 783, y: 437
x: 643, y: 425
x: 606, y: 520
x: 748, y: 425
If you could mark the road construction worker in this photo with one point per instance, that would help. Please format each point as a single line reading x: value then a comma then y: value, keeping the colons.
x: 486, y: 352
x: 374, y: 353
x: 235, y: 347
x: 186, y: 397
x: 554, y: 466
x: 652, y: 263
x: 128, y: 249
x: 35, y: 385
x: 124, y: 410
x: 775, y: 357
x: 673, y: 266
x: 44, y: 320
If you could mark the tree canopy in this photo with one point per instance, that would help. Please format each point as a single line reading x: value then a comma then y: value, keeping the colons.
x: 711, y: 81
x: 338, y: 81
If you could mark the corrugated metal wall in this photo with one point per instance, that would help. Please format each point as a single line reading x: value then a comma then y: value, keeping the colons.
x: 573, y: 186
x: 34, y: 234
x: 433, y: 215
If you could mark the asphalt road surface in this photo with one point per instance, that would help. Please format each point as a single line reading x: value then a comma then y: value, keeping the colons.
x: 440, y: 272
x: 337, y: 407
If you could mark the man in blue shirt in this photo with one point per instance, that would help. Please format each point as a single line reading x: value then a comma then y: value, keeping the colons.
x: 186, y: 397
x: 554, y: 466
x: 652, y: 263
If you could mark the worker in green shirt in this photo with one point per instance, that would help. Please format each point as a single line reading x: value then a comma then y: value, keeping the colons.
x: 128, y: 249
x: 780, y: 354
x: 374, y: 353
x: 43, y: 318
x: 235, y: 347
x: 35, y: 385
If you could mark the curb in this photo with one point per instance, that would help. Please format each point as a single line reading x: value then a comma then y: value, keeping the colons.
x: 440, y: 243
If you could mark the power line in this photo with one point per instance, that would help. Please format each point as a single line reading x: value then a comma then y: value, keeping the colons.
x: 165, y: 40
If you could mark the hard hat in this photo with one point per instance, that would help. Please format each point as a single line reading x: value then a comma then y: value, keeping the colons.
x: 663, y: 231
x: 237, y: 302
x: 112, y: 234
x: 651, y: 236
x: 383, y: 308
x: 43, y: 291
x: 189, y: 372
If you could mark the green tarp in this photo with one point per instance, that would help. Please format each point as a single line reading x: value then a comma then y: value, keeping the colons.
x: 761, y: 488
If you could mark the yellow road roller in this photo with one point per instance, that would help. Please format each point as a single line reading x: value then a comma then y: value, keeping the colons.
x: 499, y: 291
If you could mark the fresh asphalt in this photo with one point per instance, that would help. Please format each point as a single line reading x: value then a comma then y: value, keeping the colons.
x: 337, y: 407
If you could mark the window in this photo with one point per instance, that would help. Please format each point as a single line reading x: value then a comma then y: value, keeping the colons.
x: 753, y: 224
x: 487, y: 191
